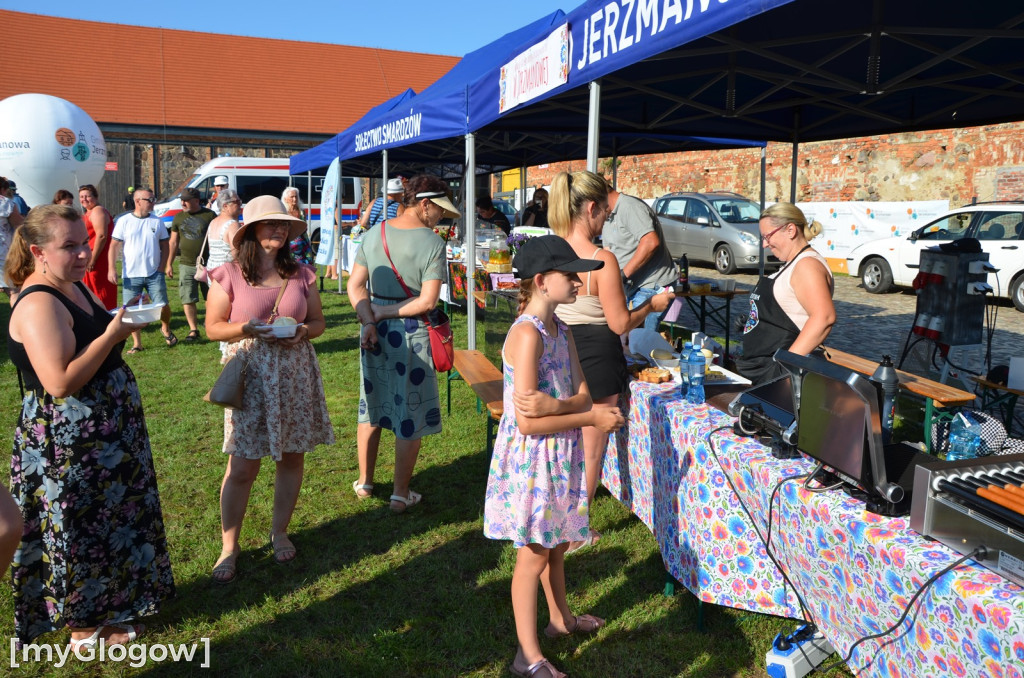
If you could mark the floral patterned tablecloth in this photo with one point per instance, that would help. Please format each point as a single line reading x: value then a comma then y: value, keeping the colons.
x: 856, y: 571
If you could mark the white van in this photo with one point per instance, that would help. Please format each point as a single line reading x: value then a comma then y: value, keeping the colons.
x: 252, y: 177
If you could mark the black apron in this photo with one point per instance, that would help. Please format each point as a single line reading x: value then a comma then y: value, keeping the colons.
x: 768, y: 329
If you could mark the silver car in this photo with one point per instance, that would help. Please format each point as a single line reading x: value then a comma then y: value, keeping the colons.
x: 720, y: 228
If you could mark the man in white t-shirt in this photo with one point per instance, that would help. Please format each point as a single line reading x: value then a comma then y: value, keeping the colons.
x: 143, y: 239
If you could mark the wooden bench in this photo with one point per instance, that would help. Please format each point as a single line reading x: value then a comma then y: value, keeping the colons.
x: 485, y: 379
x: 935, y: 394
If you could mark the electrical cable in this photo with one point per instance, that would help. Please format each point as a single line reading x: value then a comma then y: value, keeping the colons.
x: 924, y: 587
x: 767, y: 548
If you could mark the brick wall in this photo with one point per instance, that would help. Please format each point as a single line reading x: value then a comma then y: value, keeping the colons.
x: 953, y: 164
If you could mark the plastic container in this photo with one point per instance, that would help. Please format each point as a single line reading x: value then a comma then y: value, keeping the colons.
x: 281, y: 331
x: 142, y: 314
x: 695, y: 373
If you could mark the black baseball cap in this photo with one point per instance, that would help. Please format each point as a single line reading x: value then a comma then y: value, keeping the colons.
x: 550, y: 253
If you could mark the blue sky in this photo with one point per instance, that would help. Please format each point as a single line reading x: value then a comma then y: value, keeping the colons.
x: 435, y: 26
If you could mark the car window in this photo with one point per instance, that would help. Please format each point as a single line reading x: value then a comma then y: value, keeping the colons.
x: 250, y: 187
x: 672, y: 207
x: 695, y: 210
x: 1000, y: 226
x: 205, y: 188
x: 738, y: 211
x: 952, y: 227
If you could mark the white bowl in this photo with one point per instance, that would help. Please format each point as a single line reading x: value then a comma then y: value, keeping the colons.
x: 142, y: 314
x: 667, y: 360
x: 281, y: 331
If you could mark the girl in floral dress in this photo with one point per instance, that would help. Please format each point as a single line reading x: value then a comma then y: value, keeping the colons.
x: 536, y: 494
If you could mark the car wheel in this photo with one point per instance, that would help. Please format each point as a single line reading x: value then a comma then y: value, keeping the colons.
x: 876, y: 276
x: 314, y: 242
x: 1017, y: 292
x: 725, y: 263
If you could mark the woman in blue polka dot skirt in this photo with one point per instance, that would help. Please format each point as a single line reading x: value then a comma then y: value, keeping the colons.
x: 398, y: 383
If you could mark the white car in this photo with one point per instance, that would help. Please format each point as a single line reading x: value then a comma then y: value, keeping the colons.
x: 999, y: 227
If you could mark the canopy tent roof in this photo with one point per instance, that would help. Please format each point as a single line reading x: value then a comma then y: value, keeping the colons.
x: 806, y: 70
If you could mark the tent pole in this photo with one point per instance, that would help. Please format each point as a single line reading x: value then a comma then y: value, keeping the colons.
x: 593, y: 125
x: 764, y: 167
x: 792, y: 176
x: 467, y: 215
x: 522, y: 193
x: 338, y: 202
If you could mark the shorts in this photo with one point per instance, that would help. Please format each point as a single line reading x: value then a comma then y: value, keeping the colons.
x: 189, y: 288
x: 155, y: 286
x: 601, y: 357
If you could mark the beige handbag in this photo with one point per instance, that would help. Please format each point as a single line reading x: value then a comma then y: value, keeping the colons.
x: 229, y: 388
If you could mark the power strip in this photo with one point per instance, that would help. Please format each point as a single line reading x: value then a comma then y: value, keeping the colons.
x: 796, y: 655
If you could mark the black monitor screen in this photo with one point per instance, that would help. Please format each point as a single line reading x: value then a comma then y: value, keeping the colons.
x: 832, y: 426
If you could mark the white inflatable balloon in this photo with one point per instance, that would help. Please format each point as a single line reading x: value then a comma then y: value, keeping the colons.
x: 47, y: 143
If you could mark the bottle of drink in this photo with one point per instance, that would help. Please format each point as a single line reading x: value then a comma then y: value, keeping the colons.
x: 695, y: 369
x: 684, y: 354
x: 885, y: 376
x: 684, y: 273
x: 964, y: 443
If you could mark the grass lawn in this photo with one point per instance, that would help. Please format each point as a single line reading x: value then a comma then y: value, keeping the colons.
x: 371, y: 593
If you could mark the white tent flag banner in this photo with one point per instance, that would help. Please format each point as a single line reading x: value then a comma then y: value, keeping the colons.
x: 328, y: 206
x: 48, y: 143
x: 849, y: 224
x: 539, y: 69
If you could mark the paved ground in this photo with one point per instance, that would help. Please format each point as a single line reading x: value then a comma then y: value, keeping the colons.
x: 870, y: 325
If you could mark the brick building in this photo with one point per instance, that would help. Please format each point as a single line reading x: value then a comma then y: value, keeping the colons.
x: 169, y: 100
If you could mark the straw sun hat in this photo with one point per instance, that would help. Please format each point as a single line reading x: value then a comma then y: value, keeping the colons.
x: 267, y: 208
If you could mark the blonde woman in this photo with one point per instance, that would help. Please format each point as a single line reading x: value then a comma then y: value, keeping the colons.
x: 792, y: 308
x: 300, y: 247
x: 577, y: 211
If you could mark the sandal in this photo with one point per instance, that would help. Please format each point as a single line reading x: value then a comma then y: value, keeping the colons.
x: 224, y: 570
x: 592, y: 538
x: 285, y: 553
x: 584, y: 625
x: 413, y: 499
x: 366, y: 487
x: 538, y: 669
x: 193, y: 337
x: 170, y: 339
x: 136, y: 349
x: 133, y: 632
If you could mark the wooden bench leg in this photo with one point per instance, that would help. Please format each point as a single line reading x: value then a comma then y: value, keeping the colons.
x: 490, y: 434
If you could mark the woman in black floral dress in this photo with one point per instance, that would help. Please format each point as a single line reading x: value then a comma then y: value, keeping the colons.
x: 93, y: 555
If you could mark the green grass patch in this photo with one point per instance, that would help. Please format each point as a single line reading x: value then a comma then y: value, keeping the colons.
x: 371, y: 593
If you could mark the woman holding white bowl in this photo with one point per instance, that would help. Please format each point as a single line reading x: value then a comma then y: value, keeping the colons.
x: 281, y: 372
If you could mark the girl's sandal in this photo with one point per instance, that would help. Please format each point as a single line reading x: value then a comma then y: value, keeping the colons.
x: 404, y: 503
x: 584, y: 625
x: 360, y: 489
x: 131, y: 630
x: 224, y: 571
x: 539, y: 669
x: 285, y: 552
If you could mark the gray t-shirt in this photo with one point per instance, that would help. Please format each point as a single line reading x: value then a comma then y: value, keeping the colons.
x: 418, y: 254
x: 630, y: 221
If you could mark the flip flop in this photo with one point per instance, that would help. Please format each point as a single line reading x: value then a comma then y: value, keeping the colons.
x: 413, y: 499
x: 592, y: 538
x: 366, y: 487
x: 133, y: 633
x: 136, y: 349
x: 584, y: 625
x: 170, y: 339
x: 224, y: 571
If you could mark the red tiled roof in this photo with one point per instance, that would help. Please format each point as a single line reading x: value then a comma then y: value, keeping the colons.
x: 155, y: 76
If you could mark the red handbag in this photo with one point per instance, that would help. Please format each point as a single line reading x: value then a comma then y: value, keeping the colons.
x: 442, y: 347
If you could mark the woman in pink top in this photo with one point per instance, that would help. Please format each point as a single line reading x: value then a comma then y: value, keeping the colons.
x: 281, y: 373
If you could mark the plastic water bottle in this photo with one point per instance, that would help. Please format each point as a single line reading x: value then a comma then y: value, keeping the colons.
x: 684, y: 355
x: 964, y: 443
x: 695, y: 372
x: 885, y: 376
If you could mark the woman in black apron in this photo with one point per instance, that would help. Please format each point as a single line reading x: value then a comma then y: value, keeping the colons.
x: 792, y: 309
